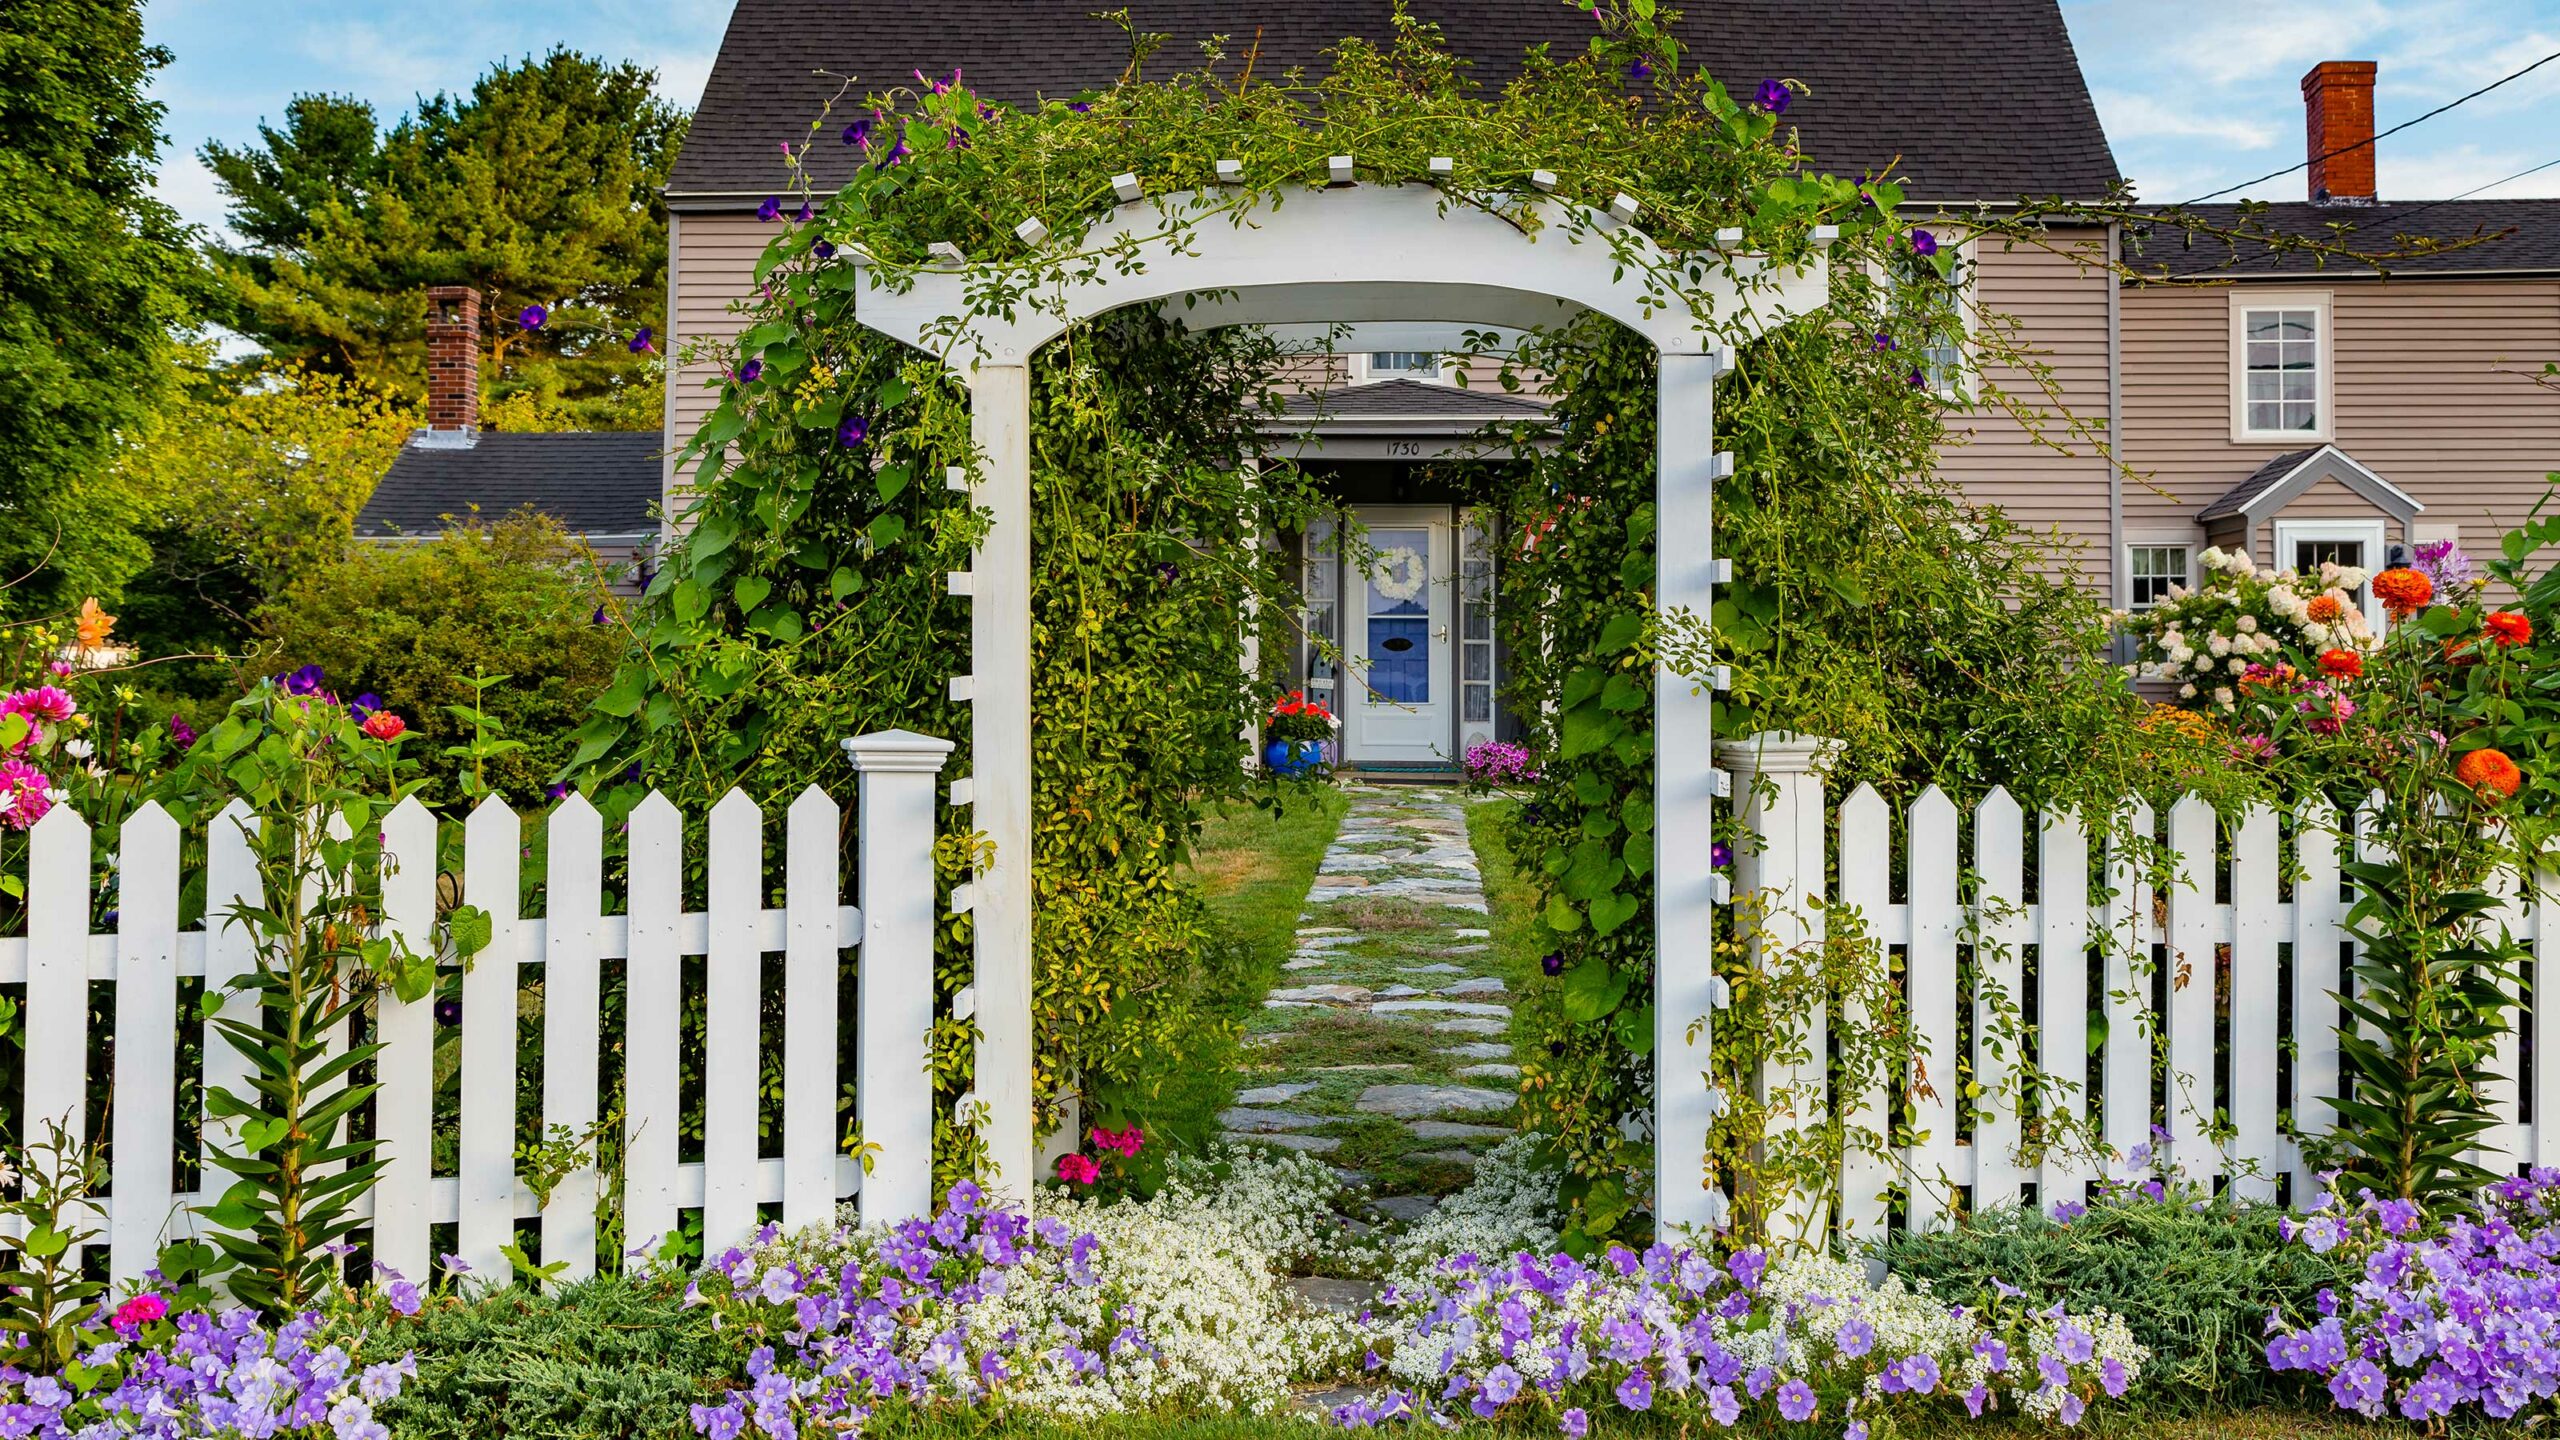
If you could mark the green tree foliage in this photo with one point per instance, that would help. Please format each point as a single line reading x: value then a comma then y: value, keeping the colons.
x: 416, y: 624
x: 95, y: 274
x: 246, y: 491
x: 540, y: 186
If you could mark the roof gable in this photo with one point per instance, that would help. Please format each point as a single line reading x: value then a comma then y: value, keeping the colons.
x: 2280, y: 481
x: 1972, y: 99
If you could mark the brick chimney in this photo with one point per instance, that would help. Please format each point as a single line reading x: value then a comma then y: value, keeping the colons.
x: 453, y: 366
x: 2337, y: 107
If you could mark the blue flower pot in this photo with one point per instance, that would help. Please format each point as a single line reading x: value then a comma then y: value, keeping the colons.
x: 1290, y: 759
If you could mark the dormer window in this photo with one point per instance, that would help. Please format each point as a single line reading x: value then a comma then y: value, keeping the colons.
x: 1402, y: 365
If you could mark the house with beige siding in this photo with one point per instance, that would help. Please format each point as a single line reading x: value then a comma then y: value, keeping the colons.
x: 2305, y: 410
x: 1405, y: 650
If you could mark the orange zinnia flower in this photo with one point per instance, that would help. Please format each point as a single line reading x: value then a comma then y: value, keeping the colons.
x: 2489, y: 770
x: 2341, y: 664
x: 2508, y: 627
x: 2324, y: 609
x: 2402, y: 591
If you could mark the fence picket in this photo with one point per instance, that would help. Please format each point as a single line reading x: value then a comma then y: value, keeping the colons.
x: 56, y: 1022
x: 2255, y: 1153
x: 2062, y: 1005
x: 2125, y: 1065
x: 732, y: 1024
x: 2500, y: 1091
x: 1866, y: 887
x: 146, y: 1082
x: 653, y: 1001
x: 2316, y: 982
x: 2191, y: 1018
x: 230, y: 957
x: 1999, y: 985
x: 1936, y: 915
x: 492, y: 880
x: 810, y: 1134
x: 572, y: 1005
x: 2545, y: 1020
x: 404, y: 1109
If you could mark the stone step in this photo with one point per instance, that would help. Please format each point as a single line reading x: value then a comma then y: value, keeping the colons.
x: 1453, y: 1130
x: 1245, y: 1121
x: 1420, y: 1007
x: 1479, y: 1050
x: 1478, y: 985
x: 1415, y: 1101
x: 1311, y: 1144
x: 1274, y: 1094
x: 1492, y: 1071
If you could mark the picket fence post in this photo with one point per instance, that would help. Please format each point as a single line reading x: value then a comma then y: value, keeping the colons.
x: 1778, y: 862
x: 893, y: 1089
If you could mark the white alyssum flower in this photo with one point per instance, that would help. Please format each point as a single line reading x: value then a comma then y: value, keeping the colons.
x: 1510, y: 1207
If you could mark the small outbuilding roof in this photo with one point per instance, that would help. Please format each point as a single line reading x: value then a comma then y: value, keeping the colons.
x: 594, y: 482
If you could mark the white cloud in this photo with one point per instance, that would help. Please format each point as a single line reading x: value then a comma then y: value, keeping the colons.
x: 2454, y: 170
x: 2136, y: 115
x: 2269, y: 42
x: 186, y: 186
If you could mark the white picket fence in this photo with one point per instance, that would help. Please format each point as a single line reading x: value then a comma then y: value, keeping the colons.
x: 146, y: 954
x: 2282, y: 1058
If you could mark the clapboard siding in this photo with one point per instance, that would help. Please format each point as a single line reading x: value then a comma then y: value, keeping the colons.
x: 715, y: 267
x: 2055, y: 296
x: 2433, y: 391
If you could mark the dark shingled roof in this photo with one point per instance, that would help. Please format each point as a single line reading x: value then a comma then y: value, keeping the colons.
x: 1980, y: 99
x: 1411, y: 400
x: 2513, y: 236
x: 2237, y: 498
x: 594, y: 482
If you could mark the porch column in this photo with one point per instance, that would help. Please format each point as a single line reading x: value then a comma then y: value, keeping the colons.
x: 1000, y: 774
x: 1684, y: 807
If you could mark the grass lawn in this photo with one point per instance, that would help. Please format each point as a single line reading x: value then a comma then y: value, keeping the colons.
x: 1255, y: 870
x: 1510, y: 902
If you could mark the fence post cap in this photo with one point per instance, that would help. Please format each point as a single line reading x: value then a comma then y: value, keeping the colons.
x: 891, y: 751
x: 1777, y: 752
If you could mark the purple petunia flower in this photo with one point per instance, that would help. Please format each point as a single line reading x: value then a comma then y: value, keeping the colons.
x: 770, y: 210
x: 644, y: 341
x: 1636, y: 1391
x: 1855, y: 1338
x: 853, y: 431
x: 1575, y: 1423
x: 533, y: 317
x: 1796, y: 1402
x: 1773, y: 96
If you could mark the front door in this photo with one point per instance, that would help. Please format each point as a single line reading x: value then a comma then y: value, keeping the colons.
x: 1396, y: 639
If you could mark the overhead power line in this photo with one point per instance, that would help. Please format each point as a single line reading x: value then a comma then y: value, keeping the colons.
x: 2385, y: 135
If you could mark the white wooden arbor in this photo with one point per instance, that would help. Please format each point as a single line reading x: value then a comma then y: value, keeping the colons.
x: 1357, y: 255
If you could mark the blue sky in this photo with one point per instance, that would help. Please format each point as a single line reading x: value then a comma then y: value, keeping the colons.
x: 2195, y: 94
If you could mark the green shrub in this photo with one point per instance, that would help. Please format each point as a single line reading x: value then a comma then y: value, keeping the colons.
x: 415, y: 624
x: 2194, y: 1278
x: 606, y: 1358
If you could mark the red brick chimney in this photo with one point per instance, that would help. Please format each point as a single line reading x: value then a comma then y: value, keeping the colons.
x: 453, y: 365
x: 2337, y: 107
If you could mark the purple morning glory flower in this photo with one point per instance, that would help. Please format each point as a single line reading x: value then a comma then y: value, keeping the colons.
x: 824, y: 250
x: 448, y: 1012
x: 365, y: 704
x: 858, y: 133
x: 1915, y: 379
x: 644, y: 341
x: 1886, y: 342
x: 802, y: 218
x: 1552, y: 962
x: 1720, y: 855
x: 532, y: 317
x: 958, y: 139
x: 1773, y: 96
x: 853, y: 431
x: 559, y: 790
x: 896, y: 154
x: 1639, y: 69
x: 1923, y: 243
x: 305, y: 681
x: 751, y: 372
x: 1080, y: 107
x: 771, y: 209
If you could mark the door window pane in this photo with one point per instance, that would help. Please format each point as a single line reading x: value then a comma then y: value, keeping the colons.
x: 1399, y: 619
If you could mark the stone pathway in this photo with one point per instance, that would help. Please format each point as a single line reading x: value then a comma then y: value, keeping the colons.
x: 1382, y: 1047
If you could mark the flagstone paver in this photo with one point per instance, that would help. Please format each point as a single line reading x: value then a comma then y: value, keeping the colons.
x: 1346, y: 1057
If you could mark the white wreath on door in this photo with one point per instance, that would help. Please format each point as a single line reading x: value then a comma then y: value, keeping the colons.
x: 1401, y: 573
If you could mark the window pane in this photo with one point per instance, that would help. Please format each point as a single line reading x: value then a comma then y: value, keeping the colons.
x: 2260, y: 324
x: 1404, y: 362
x: 2296, y: 324
x: 2301, y: 385
x: 1479, y: 703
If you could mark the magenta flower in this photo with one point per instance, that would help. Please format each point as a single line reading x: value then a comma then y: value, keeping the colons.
x: 181, y: 732
x: 23, y: 800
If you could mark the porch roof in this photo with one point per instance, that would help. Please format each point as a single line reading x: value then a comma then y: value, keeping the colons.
x: 2272, y: 485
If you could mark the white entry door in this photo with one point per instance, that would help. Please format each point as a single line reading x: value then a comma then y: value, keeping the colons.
x: 1397, y: 705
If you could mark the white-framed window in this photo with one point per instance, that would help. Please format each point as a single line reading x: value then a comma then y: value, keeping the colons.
x: 2280, y: 366
x: 1422, y: 365
x: 2302, y: 544
x: 2152, y: 566
x: 1475, y: 628
x: 1321, y: 588
x: 1944, y: 357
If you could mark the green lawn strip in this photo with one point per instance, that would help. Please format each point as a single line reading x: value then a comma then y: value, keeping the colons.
x: 1254, y: 871
x: 1511, y: 901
